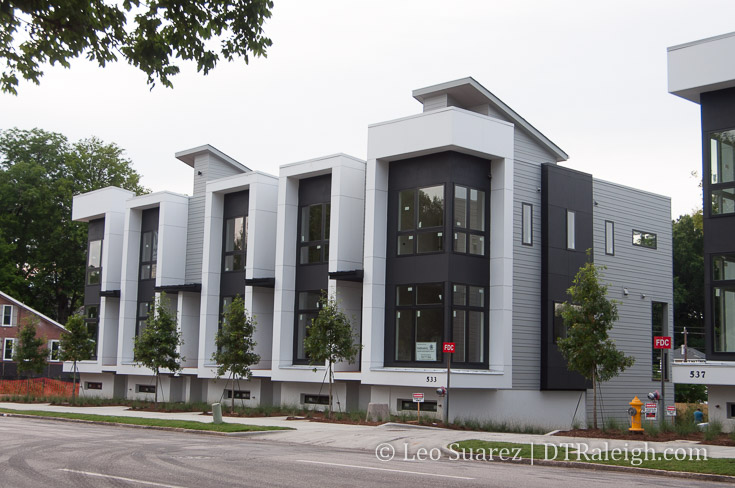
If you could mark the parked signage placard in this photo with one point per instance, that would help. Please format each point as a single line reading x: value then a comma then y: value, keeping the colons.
x: 418, y: 398
x: 449, y: 347
x: 662, y: 342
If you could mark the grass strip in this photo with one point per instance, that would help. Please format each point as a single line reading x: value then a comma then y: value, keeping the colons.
x: 176, y: 424
x: 505, y: 451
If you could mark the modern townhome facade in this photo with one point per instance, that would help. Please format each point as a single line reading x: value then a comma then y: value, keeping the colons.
x: 13, y: 316
x: 460, y: 227
x: 702, y: 72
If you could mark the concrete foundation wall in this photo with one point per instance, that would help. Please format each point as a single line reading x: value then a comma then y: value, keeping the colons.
x: 721, y: 400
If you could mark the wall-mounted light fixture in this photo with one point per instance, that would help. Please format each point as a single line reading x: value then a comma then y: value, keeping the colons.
x: 199, y: 173
x: 643, y: 295
x: 595, y: 202
x: 625, y: 291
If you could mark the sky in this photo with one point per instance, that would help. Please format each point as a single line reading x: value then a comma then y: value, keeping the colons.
x: 591, y: 76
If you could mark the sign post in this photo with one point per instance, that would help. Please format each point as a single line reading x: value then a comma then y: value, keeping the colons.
x: 662, y: 343
x: 448, y: 349
x: 418, y: 399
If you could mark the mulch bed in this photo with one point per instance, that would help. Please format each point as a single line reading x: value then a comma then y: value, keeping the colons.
x: 722, y: 440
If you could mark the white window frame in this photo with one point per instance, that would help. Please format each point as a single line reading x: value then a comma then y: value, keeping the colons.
x: 571, y: 230
x: 51, y: 350
x: 12, y: 351
x: 2, y: 317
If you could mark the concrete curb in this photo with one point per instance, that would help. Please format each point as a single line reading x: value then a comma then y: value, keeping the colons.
x: 150, y: 427
x: 396, y: 425
x: 603, y: 467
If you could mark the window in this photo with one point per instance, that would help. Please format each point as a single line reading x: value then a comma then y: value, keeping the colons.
x: 93, y: 385
x: 314, y: 399
x: 560, y: 328
x: 144, y: 308
x: 644, y: 239
x: 91, y: 318
x: 239, y: 394
x: 94, y: 262
x: 145, y: 388
x: 8, y: 346
x: 235, y: 243
x: 307, y: 308
x: 7, y: 317
x: 609, y: 238
x: 723, y: 268
x: 527, y: 224
x: 54, y: 351
x: 426, y: 405
x: 421, y: 220
x: 722, y: 172
x: 148, y: 255
x: 419, y: 322
x: 468, y: 323
x: 469, y: 220
x: 570, y: 230
x: 659, y: 317
x: 724, y: 318
x: 314, y: 234
x: 731, y: 410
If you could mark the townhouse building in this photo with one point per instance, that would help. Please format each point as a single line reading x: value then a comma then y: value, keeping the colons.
x: 460, y: 227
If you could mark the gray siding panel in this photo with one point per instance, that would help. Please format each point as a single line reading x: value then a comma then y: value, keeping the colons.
x: 643, y: 271
x: 526, y: 280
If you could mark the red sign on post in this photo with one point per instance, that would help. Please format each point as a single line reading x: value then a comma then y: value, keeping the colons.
x: 662, y: 342
x: 449, y: 347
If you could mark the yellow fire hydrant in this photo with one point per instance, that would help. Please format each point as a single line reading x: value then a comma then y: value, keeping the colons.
x: 635, y: 415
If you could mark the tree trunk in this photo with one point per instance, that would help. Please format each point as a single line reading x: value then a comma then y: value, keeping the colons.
x: 156, y: 390
x: 329, y: 408
x: 594, y: 401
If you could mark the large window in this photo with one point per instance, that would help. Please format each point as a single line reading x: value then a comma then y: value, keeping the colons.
x: 644, y: 239
x: 94, y: 262
x: 722, y: 172
x: 307, y: 308
x: 8, y: 346
x: 723, y: 267
x: 723, y: 276
x: 659, y: 316
x: 148, y: 255
x: 7, y: 316
x: 468, y: 323
x: 469, y: 220
x: 421, y: 220
x: 235, y: 243
x: 144, y: 309
x: 91, y: 320
x: 419, y: 322
x: 314, y: 234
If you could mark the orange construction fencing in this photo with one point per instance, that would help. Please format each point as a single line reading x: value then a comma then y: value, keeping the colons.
x: 40, y: 387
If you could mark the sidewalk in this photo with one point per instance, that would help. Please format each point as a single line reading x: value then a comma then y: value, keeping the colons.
x: 403, y: 438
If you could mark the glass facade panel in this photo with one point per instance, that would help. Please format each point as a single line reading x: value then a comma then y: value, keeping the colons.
x: 723, y: 201
x: 94, y: 254
x: 722, y: 157
x: 93, y: 277
x: 477, y: 245
x: 429, y: 294
x: 477, y: 296
x: 475, y: 339
x: 406, y: 210
x: 477, y: 210
x: 405, y: 295
x: 460, y: 242
x: 430, y: 242
x: 405, y: 245
x: 431, y: 207
x: 459, y: 295
x: 460, y: 207
x: 309, y: 300
x: 235, y: 234
x: 458, y: 335
x: 429, y: 334
x: 723, y: 268
x: 724, y: 319
x: 404, y: 335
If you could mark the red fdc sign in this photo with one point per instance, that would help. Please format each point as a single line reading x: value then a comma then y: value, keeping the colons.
x: 449, y: 347
x: 662, y: 342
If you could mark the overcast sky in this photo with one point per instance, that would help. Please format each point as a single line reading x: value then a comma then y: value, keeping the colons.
x: 591, y: 76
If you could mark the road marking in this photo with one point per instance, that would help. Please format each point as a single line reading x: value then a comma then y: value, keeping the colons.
x: 385, y: 469
x: 100, y: 475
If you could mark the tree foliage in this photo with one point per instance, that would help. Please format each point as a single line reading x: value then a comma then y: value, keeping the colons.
x: 76, y: 344
x: 29, y: 351
x: 688, y: 242
x: 157, y: 346
x: 148, y: 34
x: 235, y: 344
x: 330, y: 339
x: 42, y: 252
x: 589, y: 317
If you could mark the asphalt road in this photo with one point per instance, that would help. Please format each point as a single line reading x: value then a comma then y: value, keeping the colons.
x: 45, y: 453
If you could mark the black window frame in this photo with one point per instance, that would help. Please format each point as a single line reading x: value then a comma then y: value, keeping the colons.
x: 415, y: 231
x: 405, y: 405
x: 311, y: 314
x: 660, y: 330
x: 321, y: 244
x: 92, y: 321
x: 314, y: 399
x: 242, y: 253
x: 641, y: 243
x: 467, y: 307
x: 467, y: 230
x: 91, y: 269
x: 573, y: 228
x: 712, y: 186
x: 141, y: 319
x: 153, y: 261
x: 524, y: 235
x: 93, y: 385
x: 150, y: 389
x: 239, y: 394
x: 608, y: 251
x: 413, y: 309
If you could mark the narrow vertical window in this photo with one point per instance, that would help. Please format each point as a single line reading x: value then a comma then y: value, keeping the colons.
x: 469, y: 220
x: 570, y: 230
x: 307, y: 309
x: 658, y: 328
x: 53, y: 350
x: 148, y: 255
x: 314, y: 234
x: 236, y: 243
x: 527, y: 225
x: 8, y: 349
x: 7, y: 318
x: 609, y: 237
x: 94, y: 262
x: 91, y: 319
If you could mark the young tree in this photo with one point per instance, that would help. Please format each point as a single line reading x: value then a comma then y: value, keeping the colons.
x: 330, y: 339
x: 148, y: 34
x: 157, y: 346
x: 688, y: 242
x: 235, y: 345
x: 587, y: 348
x: 76, y: 345
x: 29, y: 351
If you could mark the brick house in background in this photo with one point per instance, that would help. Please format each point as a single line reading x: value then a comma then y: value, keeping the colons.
x: 13, y: 315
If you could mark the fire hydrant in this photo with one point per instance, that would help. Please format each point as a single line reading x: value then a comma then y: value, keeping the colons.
x: 635, y: 415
